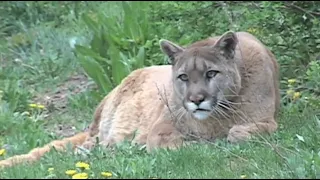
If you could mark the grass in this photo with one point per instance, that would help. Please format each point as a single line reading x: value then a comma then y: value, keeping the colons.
x: 257, y: 159
x: 43, y: 67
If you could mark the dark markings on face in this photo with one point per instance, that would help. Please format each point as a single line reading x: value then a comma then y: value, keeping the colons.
x: 197, y: 63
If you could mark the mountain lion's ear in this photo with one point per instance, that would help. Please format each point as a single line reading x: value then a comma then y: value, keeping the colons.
x: 170, y: 49
x: 227, y: 44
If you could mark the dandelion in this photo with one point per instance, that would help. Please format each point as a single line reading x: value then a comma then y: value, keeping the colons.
x: 82, y: 165
x: 39, y: 106
x: 71, y: 172
x: 252, y: 30
x: 50, y: 170
x: 106, y: 174
x: 80, y: 176
x: 2, y: 152
x: 290, y: 92
x: 296, y: 95
x: 32, y: 105
x: 292, y: 81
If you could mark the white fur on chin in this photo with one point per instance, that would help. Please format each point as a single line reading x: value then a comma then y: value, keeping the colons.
x: 198, y: 114
x: 201, y: 115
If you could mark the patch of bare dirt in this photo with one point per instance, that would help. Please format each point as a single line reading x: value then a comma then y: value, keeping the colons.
x: 64, y: 130
x: 56, y: 101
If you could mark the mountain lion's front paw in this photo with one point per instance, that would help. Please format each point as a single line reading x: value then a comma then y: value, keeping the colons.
x: 238, y: 133
x: 164, y: 135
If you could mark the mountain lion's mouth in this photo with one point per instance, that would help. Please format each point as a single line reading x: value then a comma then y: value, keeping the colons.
x: 203, y: 110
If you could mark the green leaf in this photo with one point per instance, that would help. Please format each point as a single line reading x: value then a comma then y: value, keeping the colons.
x: 127, y: 19
x: 140, y: 57
x: 96, y: 43
x: 96, y: 72
x: 131, y: 25
x: 88, y: 52
x: 119, y: 69
x: 143, y: 21
x: 90, y: 23
x: 115, y: 39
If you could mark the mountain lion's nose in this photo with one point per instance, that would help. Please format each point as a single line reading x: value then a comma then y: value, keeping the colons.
x: 197, y: 99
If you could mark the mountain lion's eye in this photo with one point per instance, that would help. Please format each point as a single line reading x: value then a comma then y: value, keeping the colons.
x: 183, y: 77
x: 212, y: 73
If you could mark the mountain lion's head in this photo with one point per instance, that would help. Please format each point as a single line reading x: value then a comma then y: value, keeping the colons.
x: 205, y: 76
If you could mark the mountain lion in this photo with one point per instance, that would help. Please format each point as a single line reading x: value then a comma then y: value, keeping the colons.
x: 224, y: 86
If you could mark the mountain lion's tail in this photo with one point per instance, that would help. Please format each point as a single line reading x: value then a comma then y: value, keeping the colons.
x: 37, y: 153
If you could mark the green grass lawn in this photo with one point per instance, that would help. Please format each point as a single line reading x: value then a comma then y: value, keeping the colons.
x: 282, y: 155
x: 45, y: 70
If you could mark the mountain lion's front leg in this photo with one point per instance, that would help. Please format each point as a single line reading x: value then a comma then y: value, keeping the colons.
x: 163, y: 134
x: 245, y: 131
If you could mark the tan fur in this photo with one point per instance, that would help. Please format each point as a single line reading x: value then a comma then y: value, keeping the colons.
x: 147, y: 105
x: 37, y: 153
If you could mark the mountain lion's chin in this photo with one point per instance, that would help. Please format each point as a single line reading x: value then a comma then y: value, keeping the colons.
x: 201, y: 114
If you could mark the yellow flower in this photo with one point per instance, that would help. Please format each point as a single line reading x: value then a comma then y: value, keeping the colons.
x: 32, y: 105
x: 243, y: 176
x: 290, y: 92
x: 2, y: 152
x: 106, y: 174
x: 296, y: 95
x: 71, y: 172
x: 50, y: 170
x: 80, y: 176
x: 292, y: 81
x: 39, y: 106
x: 252, y: 30
x: 83, y: 165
